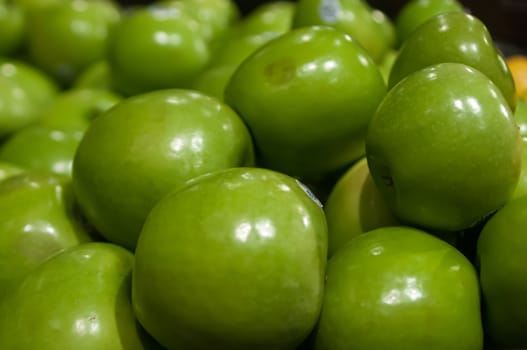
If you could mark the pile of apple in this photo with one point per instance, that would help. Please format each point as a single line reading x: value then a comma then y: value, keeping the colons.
x: 313, y: 175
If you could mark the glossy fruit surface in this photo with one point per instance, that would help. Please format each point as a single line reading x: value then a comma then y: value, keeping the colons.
x: 502, y: 261
x: 79, y: 299
x: 464, y: 39
x: 252, y: 236
x: 400, y: 288
x: 137, y: 151
x: 456, y: 126
x: 8, y: 170
x: 298, y: 129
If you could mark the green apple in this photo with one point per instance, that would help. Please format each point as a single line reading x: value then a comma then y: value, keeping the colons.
x: 274, y: 16
x: 416, y: 12
x: 520, y: 115
x: 502, y: 261
x: 233, y: 260
x: 403, y: 289
x: 24, y: 92
x: 38, y: 221
x: 443, y: 148
x: 66, y: 37
x: 95, y: 76
x: 385, y: 66
x: 156, y: 47
x: 454, y: 37
x: 78, y: 299
x: 354, y: 17
x: 8, y: 170
x: 213, y: 80
x: 42, y: 148
x: 307, y: 97
x: 76, y: 108
x: 134, y: 153
x: 12, y: 27
x: 355, y: 206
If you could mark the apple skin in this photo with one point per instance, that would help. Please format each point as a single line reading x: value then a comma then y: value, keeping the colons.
x: 66, y: 37
x: 96, y: 76
x: 502, y: 261
x: 296, y: 129
x: 12, y: 26
x: 253, y: 236
x: 464, y: 39
x: 134, y: 153
x: 78, y: 299
x: 355, y: 206
x: 403, y: 289
x: 275, y: 16
x: 141, y: 60
x: 38, y: 221
x: 456, y: 126
x: 520, y: 115
x: 76, y: 108
x: 8, y: 170
x: 416, y: 12
x: 41, y: 148
x: 354, y: 17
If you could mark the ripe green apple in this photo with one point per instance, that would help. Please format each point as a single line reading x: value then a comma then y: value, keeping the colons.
x: 355, y: 206
x: 403, y: 289
x: 66, y: 37
x: 443, y: 148
x: 520, y: 115
x: 78, y: 299
x: 354, y: 17
x: 502, y: 262
x: 274, y: 16
x: 76, y: 108
x: 416, y: 12
x: 235, y: 259
x: 8, y: 170
x: 12, y: 27
x: 135, y: 152
x: 24, y: 92
x: 307, y: 97
x: 454, y: 37
x: 213, y: 80
x: 42, y: 148
x: 156, y: 47
x: 38, y: 221
x: 95, y: 76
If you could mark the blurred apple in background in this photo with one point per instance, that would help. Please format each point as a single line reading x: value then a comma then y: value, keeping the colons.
x: 307, y: 98
x: 443, y: 148
x: 8, y: 170
x: 38, y: 221
x: 400, y: 288
x: 234, y: 259
x: 12, y: 27
x: 96, y: 76
x: 146, y: 145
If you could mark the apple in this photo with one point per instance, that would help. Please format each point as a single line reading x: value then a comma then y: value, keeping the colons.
x: 78, y: 299
x: 403, y: 289
x: 416, y: 12
x: 354, y: 17
x: 443, y: 148
x: 38, y: 221
x: 96, y: 76
x: 355, y: 206
x: 307, y: 97
x: 156, y: 47
x: 137, y: 151
x: 12, y: 27
x: 502, y: 261
x: 234, y: 259
x: 274, y: 16
x: 24, y: 91
x: 76, y: 108
x: 212, y: 81
x: 42, y: 148
x: 520, y: 115
x: 8, y: 170
x: 66, y: 37
x: 454, y: 37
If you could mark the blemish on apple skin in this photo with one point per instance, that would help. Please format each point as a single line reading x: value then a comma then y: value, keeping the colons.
x: 281, y: 71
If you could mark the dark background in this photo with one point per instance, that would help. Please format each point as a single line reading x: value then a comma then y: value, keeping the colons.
x: 506, y: 19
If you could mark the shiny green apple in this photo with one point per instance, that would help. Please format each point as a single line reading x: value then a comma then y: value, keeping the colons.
x: 502, y: 262
x: 307, y: 97
x: 355, y: 206
x: 416, y: 12
x: 366, y: 25
x: 520, y: 115
x: 274, y: 16
x: 443, y: 148
x: 78, y: 299
x: 454, y: 37
x: 235, y: 259
x: 134, y: 153
x: 38, y: 221
x: 403, y: 289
